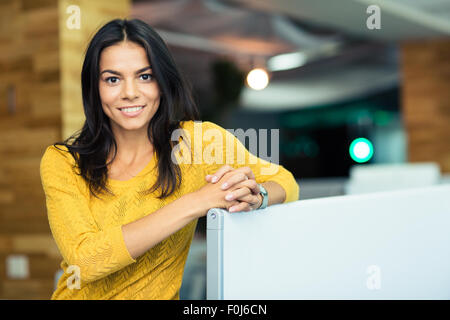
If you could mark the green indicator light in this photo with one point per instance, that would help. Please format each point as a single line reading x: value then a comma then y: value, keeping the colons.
x: 361, y: 150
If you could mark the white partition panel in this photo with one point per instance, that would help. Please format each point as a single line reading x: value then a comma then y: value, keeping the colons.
x: 387, y: 177
x: 386, y: 245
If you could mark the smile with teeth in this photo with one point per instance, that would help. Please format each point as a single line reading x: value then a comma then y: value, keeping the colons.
x: 132, y: 109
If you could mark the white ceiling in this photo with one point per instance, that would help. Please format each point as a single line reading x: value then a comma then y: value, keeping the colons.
x: 322, y: 88
x: 439, y: 9
x: 212, y: 26
x: 400, y: 19
x: 256, y: 27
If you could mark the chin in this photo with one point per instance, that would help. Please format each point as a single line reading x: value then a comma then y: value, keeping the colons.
x: 135, y: 127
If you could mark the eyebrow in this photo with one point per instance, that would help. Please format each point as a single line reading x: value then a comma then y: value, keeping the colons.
x: 119, y: 74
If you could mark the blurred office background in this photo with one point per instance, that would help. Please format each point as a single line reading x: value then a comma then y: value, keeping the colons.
x: 360, y: 106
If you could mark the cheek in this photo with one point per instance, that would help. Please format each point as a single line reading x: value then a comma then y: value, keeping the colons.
x: 151, y: 92
x: 108, y: 95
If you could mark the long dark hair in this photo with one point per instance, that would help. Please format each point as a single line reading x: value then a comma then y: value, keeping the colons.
x: 92, y: 144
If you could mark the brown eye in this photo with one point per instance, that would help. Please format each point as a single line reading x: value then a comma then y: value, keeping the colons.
x: 112, y: 80
x: 146, y: 77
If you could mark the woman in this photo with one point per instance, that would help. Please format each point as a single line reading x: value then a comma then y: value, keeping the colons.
x: 122, y: 211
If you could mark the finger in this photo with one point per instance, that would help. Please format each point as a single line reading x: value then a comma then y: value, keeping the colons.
x: 243, y: 206
x: 251, y: 184
x: 230, y: 204
x: 235, y: 178
x: 252, y: 200
x: 209, y: 177
x: 219, y: 173
x: 238, y: 193
x: 248, y: 172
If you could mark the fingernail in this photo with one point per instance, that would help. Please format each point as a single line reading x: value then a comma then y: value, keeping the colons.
x: 224, y: 186
x: 231, y: 209
x: 214, y: 179
x: 229, y: 196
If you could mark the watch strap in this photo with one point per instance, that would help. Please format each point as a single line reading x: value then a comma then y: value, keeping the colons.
x: 265, y: 197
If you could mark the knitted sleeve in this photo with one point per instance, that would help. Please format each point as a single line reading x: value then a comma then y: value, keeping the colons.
x: 81, y: 242
x: 221, y: 147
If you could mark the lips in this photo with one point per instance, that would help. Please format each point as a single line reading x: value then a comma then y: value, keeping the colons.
x: 132, y: 114
x: 135, y: 106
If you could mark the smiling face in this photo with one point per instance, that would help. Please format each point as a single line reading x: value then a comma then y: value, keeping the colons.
x: 126, y: 80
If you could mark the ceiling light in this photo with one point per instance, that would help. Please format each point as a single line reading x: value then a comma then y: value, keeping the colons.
x: 257, y: 79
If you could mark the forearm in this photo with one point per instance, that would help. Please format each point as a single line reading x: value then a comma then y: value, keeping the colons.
x: 143, y: 234
x: 275, y: 191
x: 286, y: 181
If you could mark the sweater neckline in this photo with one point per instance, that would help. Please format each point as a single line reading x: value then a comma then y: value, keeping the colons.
x: 147, y: 169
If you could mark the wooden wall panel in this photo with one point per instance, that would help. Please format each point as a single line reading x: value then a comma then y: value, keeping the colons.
x: 426, y: 100
x: 40, y: 98
x: 37, y: 244
x: 28, y: 289
x: 30, y: 120
x: 73, y: 44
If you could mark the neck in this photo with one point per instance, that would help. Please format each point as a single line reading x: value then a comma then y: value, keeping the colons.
x: 132, y: 145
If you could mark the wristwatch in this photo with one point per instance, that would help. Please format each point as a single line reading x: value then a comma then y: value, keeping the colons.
x: 265, y: 197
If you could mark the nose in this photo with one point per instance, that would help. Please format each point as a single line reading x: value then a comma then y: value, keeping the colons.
x: 130, y: 91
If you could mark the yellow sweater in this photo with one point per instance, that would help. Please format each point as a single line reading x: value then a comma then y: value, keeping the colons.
x: 88, y: 231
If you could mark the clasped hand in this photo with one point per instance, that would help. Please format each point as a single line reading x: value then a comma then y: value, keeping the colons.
x: 241, y: 185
